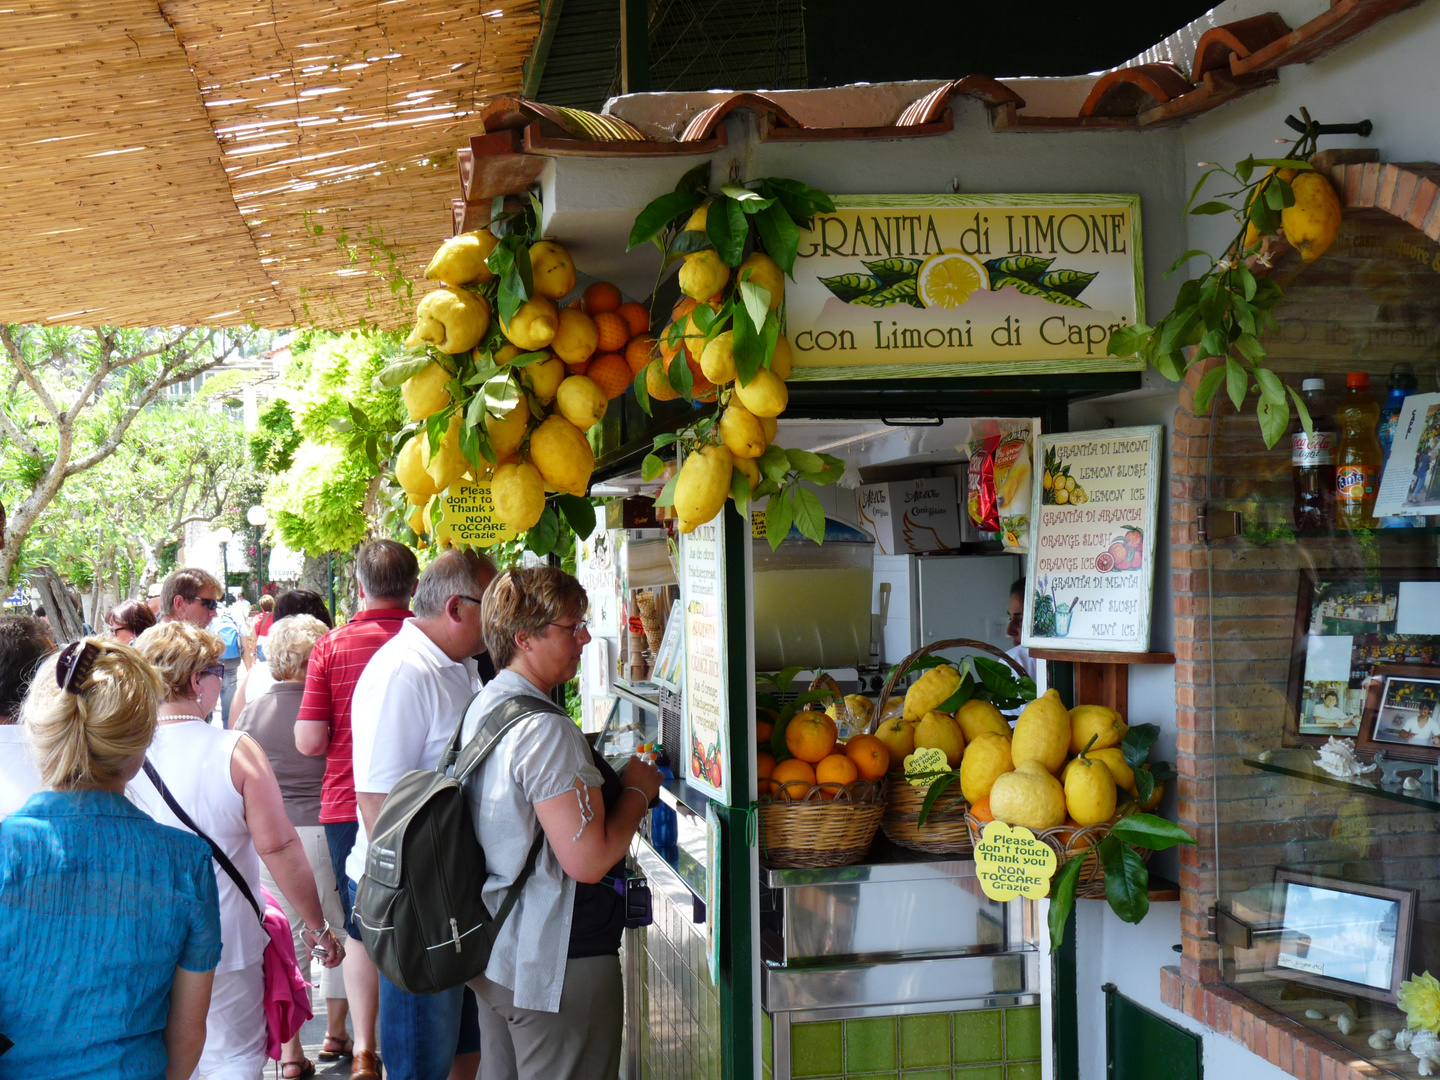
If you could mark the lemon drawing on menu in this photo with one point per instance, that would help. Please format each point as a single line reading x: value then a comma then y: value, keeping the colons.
x: 947, y: 280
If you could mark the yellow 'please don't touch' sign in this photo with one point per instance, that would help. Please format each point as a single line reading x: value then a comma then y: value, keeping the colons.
x: 1014, y: 862
x: 468, y: 517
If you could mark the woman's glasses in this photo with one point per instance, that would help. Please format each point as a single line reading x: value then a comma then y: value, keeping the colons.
x: 573, y: 630
x: 218, y: 670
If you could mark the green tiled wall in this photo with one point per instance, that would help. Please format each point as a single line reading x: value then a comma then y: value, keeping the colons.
x: 988, y: 1044
x: 679, y: 1009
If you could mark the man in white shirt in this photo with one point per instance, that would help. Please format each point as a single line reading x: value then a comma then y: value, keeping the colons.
x: 406, y: 704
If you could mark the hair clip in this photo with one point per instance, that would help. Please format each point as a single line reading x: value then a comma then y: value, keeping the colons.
x: 74, y: 665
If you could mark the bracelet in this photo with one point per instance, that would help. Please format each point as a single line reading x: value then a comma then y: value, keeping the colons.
x: 324, y: 929
x: 640, y: 791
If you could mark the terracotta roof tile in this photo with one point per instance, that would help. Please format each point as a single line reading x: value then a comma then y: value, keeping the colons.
x: 1217, y: 49
x: 1129, y: 91
x: 703, y: 124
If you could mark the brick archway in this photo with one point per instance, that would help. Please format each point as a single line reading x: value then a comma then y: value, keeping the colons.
x: 1405, y: 192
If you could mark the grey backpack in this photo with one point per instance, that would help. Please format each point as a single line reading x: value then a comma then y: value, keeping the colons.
x: 418, y: 904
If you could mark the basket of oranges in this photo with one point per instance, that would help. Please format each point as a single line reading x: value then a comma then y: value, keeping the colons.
x: 822, y: 804
x: 930, y: 717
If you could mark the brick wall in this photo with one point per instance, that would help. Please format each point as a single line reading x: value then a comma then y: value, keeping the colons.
x: 1373, y: 300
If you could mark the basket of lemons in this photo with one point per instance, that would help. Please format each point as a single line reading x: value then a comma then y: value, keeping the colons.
x: 821, y: 798
x: 944, y: 710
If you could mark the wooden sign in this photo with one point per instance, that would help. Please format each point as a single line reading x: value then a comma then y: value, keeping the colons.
x: 1013, y: 862
x: 917, y: 286
x: 1091, y: 573
x: 705, y: 754
x: 468, y: 517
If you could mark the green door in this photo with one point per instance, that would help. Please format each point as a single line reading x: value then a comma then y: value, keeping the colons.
x: 1140, y: 1045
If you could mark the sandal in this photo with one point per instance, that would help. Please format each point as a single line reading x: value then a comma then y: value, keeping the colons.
x: 303, y: 1068
x: 335, y: 1047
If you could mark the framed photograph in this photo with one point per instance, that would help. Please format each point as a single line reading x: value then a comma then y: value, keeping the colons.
x: 1402, y: 713
x: 1347, y: 937
x: 1347, y: 625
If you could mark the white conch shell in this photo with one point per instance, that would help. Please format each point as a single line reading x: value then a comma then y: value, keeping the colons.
x: 1425, y: 1045
x: 1337, y: 757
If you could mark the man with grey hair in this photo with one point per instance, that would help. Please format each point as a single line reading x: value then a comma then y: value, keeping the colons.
x: 406, y: 705
x: 386, y: 573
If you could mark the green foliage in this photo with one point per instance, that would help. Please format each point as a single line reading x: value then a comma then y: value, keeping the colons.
x: 273, y: 445
x: 318, y: 504
x: 1227, y: 309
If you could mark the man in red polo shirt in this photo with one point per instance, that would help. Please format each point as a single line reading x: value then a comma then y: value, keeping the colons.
x: 387, y: 573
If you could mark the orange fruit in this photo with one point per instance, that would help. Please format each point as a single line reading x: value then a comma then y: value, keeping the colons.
x: 578, y: 369
x: 763, y: 730
x: 703, y: 389
x: 1069, y: 836
x: 614, y: 331
x: 636, y: 316
x: 810, y: 735
x: 764, y: 765
x: 639, y: 352
x: 600, y: 297
x: 870, y: 755
x: 980, y: 810
x: 793, y: 778
x: 610, y: 372
x: 835, y: 769
x: 657, y: 383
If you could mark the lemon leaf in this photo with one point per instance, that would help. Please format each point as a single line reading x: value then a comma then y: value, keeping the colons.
x: 1127, y: 882
x: 781, y: 237
x: 579, y: 513
x: 740, y: 488
x: 774, y: 463
x: 660, y: 212
x: 667, y: 493
x: 642, y: 392
x: 651, y: 467
x: 778, y: 516
x: 726, y: 227
x: 1209, y: 386
x: 1213, y: 207
x: 937, y: 788
x: 543, y: 535
x: 756, y: 300
x: 809, y: 515
x: 1062, y: 899
x: 1237, y: 383
x: 681, y: 379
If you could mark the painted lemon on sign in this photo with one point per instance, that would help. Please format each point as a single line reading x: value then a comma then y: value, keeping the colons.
x: 947, y: 280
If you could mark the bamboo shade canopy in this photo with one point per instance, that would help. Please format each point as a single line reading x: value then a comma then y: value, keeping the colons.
x: 235, y: 162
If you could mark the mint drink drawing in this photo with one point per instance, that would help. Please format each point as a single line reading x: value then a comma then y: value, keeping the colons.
x: 1063, y: 614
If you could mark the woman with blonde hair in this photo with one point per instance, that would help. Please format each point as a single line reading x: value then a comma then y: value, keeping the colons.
x: 270, y: 720
x: 223, y: 782
x: 109, y: 928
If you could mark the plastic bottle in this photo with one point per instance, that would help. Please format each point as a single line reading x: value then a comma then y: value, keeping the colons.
x: 1312, y: 461
x: 1358, y: 458
x: 1401, y: 385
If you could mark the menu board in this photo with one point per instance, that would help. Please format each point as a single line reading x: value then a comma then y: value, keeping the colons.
x: 706, y: 751
x: 1091, y: 574
x: 920, y: 286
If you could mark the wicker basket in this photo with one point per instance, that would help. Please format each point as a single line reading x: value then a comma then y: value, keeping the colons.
x: 1070, y: 841
x: 945, y: 831
x: 824, y: 827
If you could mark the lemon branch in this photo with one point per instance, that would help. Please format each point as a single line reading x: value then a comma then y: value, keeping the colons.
x: 1227, y: 309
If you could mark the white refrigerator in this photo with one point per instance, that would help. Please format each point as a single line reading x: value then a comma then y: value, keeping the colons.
x: 925, y: 598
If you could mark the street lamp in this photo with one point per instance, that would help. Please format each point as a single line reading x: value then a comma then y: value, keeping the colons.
x: 223, y: 536
x: 258, y: 517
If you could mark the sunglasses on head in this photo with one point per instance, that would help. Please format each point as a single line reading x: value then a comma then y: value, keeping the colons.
x: 218, y: 670
x: 210, y: 605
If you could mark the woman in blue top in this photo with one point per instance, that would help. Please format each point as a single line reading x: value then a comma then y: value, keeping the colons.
x: 109, y: 924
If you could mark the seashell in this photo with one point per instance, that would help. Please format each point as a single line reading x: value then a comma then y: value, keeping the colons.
x: 1346, y: 1023
x: 1379, y: 1041
x: 1402, y: 1040
x: 1412, y: 783
x: 1265, y: 755
x: 1314, y: 1014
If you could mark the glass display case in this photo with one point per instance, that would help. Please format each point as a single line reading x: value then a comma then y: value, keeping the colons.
x: 1325, y: 860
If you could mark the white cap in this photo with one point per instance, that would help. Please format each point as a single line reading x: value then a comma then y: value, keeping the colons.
x: 1313, y: 384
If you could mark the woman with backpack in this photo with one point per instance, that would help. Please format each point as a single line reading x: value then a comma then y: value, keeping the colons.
x: 551, y: 998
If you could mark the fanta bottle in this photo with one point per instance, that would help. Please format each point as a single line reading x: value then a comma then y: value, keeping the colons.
x: 1358, y: 458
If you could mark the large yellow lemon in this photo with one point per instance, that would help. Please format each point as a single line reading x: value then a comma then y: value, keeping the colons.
x: 987, y: 756
x: 561, y: 452
x: 940, y: 730
x: 461, y: 259
x: 1028, y: 796
x: 450, y: 320
x: 552, y: 269
x: 931, y: 690
x: 750, y: 468
x: 581, y: 402
x: 976, y: 717
x: 898, y: 735
x: 702, y: 486
x: 544, y: 377
x: 424, y: 393
x: 447, y: 464
x: 783, y: 359
x: 1312, y: 224
x: 741, y: 432
x: 717, y: 360
x: 1252, y: 234
x: 698, y: 219
x: 577, y: 337
x: 764, y: 395
x: 703, y: 274
x: 759, y: 269
x: 518, y: 492
x: 508, y: 431
x: 1042, y: 733
x: 534, y: 325
x: 947, y: 280
x: 1089, y: 791
x: 410, y: 471
x: 1098, y: 722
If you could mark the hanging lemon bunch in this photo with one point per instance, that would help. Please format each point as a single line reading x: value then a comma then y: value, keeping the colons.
x: 723, y: 343
x: 496, y: 388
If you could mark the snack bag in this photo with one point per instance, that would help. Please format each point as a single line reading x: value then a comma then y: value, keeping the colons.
x: 980, y: 495
x: 1013, y: 477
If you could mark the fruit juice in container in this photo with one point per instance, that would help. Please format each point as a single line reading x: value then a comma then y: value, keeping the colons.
x: 812, y: 601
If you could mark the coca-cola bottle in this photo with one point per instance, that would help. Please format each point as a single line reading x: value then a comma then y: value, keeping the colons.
x: 1312, y: 461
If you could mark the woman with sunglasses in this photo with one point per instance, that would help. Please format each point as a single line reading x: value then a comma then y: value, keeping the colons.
x: 224, y: 783
x: 128, y: 620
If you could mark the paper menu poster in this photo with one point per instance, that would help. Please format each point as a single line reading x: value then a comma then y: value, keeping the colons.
x: 705, y: 755
x: 1410, y: 484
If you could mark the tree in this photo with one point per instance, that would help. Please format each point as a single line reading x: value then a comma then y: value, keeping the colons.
x: 73, y: 395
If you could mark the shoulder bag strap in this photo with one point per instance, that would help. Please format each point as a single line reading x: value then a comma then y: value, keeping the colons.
x: 219, y: 856
x: 512, y: 894
x: 507, y: 715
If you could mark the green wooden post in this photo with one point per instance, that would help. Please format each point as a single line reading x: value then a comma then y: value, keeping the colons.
x: 634, y: 46
x: 737, y: 1000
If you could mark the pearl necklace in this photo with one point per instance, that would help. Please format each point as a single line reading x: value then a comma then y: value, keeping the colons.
x: 165, y: 718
